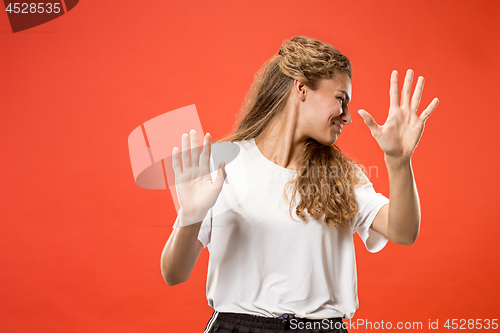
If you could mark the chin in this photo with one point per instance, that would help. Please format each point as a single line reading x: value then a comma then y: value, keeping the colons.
x: 327, y: 142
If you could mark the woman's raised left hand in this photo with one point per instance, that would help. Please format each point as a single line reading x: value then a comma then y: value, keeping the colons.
x: 400, y: 134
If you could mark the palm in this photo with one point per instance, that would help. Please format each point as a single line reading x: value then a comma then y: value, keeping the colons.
x: 195, y: 188
x: 401, y: 132
x: 196, y: 191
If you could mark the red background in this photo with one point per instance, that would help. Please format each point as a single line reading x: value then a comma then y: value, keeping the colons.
x: 81, y: 243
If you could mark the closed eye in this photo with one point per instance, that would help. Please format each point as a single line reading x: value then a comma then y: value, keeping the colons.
x: 345, y: 97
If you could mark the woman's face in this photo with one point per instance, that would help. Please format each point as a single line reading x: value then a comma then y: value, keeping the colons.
x: 324, y: 111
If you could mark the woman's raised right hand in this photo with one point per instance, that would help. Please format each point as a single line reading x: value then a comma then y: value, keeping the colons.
x: 195, y: 190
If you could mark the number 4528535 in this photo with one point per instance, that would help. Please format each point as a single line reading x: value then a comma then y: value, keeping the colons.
x: 464, y: 324
x: 32, y: 8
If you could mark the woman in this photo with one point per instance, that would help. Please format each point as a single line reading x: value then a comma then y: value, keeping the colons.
x: 279, y: 224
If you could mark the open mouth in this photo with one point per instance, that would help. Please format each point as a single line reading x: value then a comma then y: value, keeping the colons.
x: 338, y: 126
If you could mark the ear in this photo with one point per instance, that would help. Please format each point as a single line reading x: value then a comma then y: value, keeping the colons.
x: 299, y: 89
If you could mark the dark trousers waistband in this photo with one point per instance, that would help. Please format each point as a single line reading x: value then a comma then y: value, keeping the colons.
x: 285, y: 322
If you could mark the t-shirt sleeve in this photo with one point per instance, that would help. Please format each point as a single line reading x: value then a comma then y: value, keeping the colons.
x: 369, y: 204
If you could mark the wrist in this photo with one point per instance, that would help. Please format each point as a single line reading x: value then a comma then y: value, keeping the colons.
x: 188, y: 218
x: 397, y: 165
x: 393, y: 160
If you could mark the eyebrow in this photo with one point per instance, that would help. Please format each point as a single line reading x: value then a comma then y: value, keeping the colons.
x: 346, y: 95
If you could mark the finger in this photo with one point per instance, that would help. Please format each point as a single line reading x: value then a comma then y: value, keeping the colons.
x: 394, y: 90
x: 406, y: 91
x: 209, y: 141
x: 195, y: 151
x: 221, y: 175
x: 370, y: 122
x: 417, y: 95
x: 205, y: 154
x: 186, y: 159
x: 427, y: 112
x: 175, y: 161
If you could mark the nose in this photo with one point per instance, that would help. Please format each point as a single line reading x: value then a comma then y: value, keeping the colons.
x: 345, y: 115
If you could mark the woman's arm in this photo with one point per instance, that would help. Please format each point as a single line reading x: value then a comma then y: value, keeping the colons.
x: 197, y: 194
x: 399, y: 221
x: 181, y: 252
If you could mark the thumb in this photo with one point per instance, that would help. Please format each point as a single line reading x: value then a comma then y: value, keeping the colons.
x: 221, y: 175
x: 369, y: 121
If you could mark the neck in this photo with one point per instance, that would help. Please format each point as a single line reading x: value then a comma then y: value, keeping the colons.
x: 280, y: 142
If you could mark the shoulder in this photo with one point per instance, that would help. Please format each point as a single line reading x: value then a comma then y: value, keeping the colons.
x: 235, y: 155
x: 229, y: 151
x: 359, y: 170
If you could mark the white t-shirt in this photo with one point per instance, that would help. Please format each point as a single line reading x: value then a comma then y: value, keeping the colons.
x: 264, y: 263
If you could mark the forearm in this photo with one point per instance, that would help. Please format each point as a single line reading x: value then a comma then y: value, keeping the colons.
x: 404, y: 207
x: 180, y: 254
